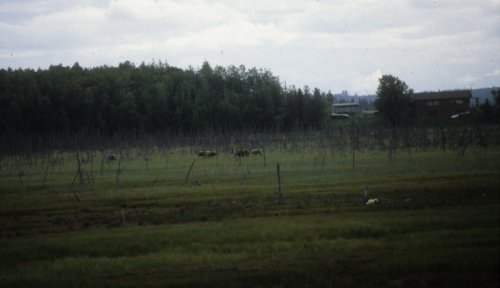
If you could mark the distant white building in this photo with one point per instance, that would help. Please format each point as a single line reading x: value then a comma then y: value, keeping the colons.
x: 345, y: 108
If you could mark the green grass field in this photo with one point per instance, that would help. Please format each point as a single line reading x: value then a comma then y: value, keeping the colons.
x: 132, y: 222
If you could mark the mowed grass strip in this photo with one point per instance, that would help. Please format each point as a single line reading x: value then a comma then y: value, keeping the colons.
x: 370, y: 247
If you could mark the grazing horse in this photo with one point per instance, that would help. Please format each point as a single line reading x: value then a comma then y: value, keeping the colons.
x: 110, y: 158
x: 211, y: 153
x: 240, y: 153
x: 257, y: 151
x: 206, y: 153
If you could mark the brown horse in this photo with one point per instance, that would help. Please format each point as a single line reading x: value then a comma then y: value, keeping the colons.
x: 110, y: 158
x: 211, y: 153
x: 206, y: 153
x: 240, y: 153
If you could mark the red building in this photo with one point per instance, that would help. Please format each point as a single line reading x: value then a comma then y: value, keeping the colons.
x: 442, y: 103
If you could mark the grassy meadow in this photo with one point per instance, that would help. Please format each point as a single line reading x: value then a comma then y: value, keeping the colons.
x: 168, y: 218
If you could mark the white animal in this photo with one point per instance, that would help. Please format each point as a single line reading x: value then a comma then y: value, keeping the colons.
x: 372, y: 201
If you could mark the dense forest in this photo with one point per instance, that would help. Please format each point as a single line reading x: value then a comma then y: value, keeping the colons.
x: 154, y: 97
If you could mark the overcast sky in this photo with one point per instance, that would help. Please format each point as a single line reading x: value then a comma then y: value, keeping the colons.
x: 333, y: 45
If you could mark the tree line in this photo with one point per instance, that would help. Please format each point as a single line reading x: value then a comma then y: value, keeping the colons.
x: 154, y: 97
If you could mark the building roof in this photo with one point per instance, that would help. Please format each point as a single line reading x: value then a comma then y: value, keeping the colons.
x: 442, y: 95
x: 346, y: 105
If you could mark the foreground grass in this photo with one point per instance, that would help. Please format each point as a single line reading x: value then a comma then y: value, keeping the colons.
x: 437, y: 247
x: 437, y: 223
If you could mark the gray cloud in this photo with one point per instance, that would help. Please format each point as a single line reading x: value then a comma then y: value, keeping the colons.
x: 335, y: 45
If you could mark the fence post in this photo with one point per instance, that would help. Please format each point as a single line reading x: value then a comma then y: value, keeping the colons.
x: 280, y: 194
